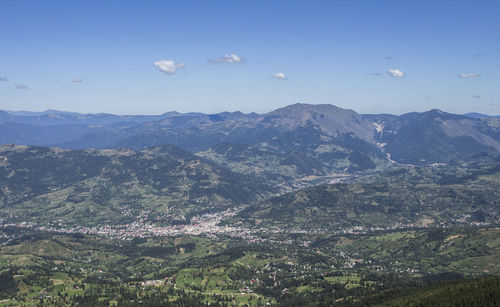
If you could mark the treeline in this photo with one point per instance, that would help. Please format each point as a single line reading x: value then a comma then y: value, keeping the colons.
x: 470, y: 292
x: 474, y: 292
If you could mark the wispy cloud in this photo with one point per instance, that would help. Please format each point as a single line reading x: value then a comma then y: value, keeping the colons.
x: 389, y: 58
x: 396, y: 73
x: 169, y: 67
x: 470, y: 75
x: 77, y: 80
x: 228, y: 59
x: 476, y: 96
x: 21, y: 86
x: 3, y: 79
x: 279, y: 76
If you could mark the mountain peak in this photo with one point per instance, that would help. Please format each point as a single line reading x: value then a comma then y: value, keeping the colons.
x: 306, y: 107
x: 437, y: 113
x: 329, y: 118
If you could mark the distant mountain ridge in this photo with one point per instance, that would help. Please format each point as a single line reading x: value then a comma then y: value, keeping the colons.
x: 55, y: 117
x: 480, y: 115
x: 329, y: 138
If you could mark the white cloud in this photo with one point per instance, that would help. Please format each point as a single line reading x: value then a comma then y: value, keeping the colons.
x: 279, y: 76
x: 228, y: 59
x: 470, y: 75
x: 395, y: 73
x: 3, y: 79
x: 169, y: 67
x: 21, y: 87
x: 77, y: 80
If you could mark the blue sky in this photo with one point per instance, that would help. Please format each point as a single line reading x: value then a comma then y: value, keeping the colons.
x: 370, y: 56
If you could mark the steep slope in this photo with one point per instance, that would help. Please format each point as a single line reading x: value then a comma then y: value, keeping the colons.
x: 435, y: 136
x: 330, y: 119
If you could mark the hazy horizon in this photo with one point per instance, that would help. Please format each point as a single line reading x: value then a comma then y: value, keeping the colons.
x: 20, y: 112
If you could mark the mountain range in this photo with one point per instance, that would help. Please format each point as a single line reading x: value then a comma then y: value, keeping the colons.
x: 299, y: 139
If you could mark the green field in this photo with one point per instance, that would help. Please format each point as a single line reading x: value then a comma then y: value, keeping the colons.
x: 57, y: 270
